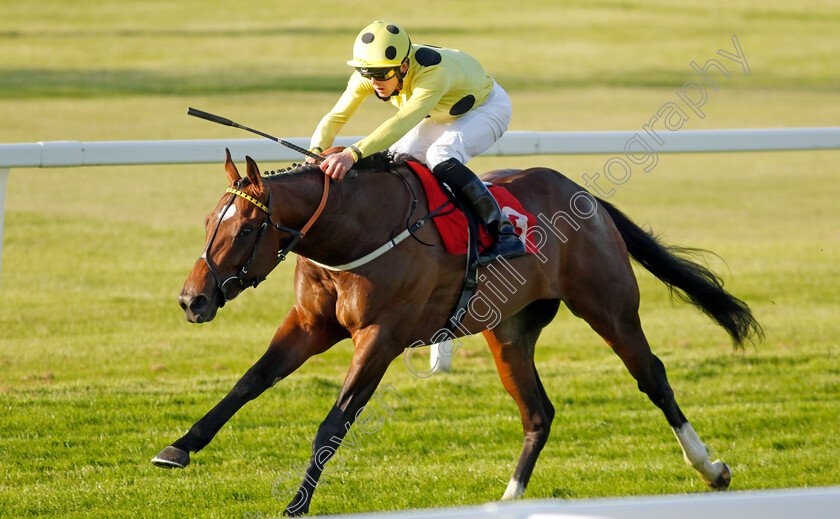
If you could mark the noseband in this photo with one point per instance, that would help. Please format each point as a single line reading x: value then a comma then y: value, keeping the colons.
x: 236, y: 284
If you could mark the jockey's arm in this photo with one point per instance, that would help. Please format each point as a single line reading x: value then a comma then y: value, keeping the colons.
x: 423, y: 100
x: 356, y: 92
x: 421, y: 104
x: 389, y: 132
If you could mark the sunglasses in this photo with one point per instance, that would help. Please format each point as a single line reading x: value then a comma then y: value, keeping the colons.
x: 379, y: 74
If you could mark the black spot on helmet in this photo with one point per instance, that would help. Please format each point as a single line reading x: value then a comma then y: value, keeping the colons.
x: 380, y: 45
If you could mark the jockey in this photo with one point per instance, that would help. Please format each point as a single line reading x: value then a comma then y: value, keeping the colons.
x: 449, y: 110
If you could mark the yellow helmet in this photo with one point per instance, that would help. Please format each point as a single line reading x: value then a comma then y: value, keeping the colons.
x: 379, y: 45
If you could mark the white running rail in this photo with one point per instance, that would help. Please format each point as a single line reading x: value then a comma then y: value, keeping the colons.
x: 113, y: 153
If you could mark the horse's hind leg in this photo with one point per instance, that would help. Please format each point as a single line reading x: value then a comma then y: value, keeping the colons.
x: 609, y: 302
x: 649, y: 372
x: 512, y: 344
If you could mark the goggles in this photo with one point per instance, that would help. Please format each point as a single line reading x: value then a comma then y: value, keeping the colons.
x: 379, y: 74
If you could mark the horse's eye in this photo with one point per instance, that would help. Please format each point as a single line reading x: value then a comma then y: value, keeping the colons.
x: 246, y: 230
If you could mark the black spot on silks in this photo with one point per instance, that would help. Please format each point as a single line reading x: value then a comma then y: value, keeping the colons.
x: 463, y: 106
x: 367, y: 37
x: 391, y: 52
x: 427, y: 57
x: 393, y: 29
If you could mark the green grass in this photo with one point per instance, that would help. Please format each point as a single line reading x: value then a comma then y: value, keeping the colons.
x: 99, y: 370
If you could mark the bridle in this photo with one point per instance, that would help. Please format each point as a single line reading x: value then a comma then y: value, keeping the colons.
x: 231, y: 287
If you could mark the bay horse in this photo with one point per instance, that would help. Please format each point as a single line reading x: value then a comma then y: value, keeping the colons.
x: 404, y: 297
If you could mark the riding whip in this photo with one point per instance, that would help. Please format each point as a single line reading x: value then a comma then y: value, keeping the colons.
x: 228, y: 122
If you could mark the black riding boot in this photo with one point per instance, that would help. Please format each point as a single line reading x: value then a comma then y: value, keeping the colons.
x: 506, y: 242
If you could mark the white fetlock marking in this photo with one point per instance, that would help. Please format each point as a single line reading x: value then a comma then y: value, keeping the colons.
x: 695, y: 452
x: 514, y: 490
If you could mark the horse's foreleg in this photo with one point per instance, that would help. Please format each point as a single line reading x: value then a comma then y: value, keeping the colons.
x: 374, y: 353
x: 294, y: 342
x: 512, y: 344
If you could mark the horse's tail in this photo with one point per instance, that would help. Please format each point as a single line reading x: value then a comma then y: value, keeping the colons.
x: 688, y: 280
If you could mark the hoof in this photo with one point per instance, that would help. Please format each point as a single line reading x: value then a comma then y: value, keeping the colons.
x: 299, y: 505
x: 171, y: 457
x: 721, y: 482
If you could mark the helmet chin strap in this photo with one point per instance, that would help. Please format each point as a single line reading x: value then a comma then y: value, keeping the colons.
x: 395, y: 92
x: 400, y: 77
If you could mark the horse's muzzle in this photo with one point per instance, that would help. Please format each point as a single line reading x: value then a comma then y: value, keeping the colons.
x: 198, y: 308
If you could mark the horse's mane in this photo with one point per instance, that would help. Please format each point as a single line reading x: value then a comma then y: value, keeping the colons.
x: 382, y: 161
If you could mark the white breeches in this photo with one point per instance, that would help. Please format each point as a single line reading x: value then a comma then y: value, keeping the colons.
x: 462, y: 139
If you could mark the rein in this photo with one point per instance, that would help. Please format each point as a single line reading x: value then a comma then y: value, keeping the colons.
x: 409, y: 230
x: 236, y: 284
x: 390, y: 244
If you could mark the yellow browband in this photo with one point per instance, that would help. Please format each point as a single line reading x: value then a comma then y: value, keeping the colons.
x: 249, y: 198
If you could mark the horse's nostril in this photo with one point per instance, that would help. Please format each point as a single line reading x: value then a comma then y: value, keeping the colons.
x: 184, y: 300
x: 198, y: 305
x: 195, y: 305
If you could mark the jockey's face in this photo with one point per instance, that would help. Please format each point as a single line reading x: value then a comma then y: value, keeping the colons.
x: 386, y: 87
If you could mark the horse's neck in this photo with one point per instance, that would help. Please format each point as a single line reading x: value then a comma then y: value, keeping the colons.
x: 357, y: 218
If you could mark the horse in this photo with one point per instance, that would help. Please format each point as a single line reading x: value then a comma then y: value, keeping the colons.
x: 396, y: 301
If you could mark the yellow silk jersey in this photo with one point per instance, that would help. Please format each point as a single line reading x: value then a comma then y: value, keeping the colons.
x: 442, y: 84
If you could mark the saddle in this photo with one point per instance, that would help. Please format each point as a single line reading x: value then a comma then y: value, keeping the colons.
x: 458, y: 227
x: 461, y: 231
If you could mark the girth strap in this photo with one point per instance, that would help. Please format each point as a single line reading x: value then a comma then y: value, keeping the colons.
x: 471, y: 275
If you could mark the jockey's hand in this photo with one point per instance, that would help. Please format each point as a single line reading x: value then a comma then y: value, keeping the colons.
x: 337, y: 164
x: 311, y: 160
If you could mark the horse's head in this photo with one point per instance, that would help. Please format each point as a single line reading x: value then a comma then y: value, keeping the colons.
x: 241, y: 245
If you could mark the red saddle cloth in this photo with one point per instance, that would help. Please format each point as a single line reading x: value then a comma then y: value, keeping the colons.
x: 453, y: 226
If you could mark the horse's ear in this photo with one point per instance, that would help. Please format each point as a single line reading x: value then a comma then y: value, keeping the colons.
x: 230, y: 168
x: 254, y: 174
